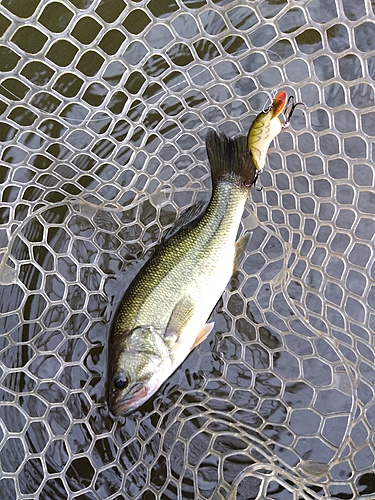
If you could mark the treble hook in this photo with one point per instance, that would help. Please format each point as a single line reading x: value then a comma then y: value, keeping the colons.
x: 256, y: 182
x: 289, y: 110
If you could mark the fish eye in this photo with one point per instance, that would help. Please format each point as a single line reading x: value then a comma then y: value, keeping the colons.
x: 120, y: 381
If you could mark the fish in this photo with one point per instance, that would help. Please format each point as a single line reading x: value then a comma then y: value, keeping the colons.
x: 164, y: 313
x: 267, y: 125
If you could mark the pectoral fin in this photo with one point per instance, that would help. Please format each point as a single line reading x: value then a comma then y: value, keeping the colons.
x: 180, y: 316
x: 203, y: 334
x: 241, y: 245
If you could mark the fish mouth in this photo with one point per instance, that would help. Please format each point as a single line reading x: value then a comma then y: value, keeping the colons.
x: 279, y: 103
x: 124, y: 405
x: 123, y: 408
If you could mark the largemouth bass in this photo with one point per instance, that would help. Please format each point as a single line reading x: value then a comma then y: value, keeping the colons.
x: 164, y: 312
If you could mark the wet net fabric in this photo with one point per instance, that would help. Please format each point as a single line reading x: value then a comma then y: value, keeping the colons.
x: 104, y: 109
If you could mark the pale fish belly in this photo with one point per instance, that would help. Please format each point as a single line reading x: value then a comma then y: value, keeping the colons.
x: 201, y: 275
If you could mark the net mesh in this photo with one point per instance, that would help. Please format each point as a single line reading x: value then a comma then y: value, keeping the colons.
x: 104, y: 109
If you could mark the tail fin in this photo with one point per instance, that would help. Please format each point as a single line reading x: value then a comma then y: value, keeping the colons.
x: 230, y: 160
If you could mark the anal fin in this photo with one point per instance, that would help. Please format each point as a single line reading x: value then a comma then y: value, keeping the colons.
x: 240, y: 246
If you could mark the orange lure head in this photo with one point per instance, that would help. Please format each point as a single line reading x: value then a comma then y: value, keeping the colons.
x: 278, y: 104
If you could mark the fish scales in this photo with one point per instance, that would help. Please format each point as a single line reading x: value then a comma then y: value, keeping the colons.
x: 164, y: 311
x: 202, y: 253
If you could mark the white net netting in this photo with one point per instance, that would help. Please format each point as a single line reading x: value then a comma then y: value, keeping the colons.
x: 104, y: 109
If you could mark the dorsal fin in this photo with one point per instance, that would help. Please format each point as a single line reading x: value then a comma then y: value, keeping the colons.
x: 189, y: 217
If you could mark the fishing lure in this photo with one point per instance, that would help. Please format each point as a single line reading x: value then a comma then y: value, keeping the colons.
x: 267, y: 125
